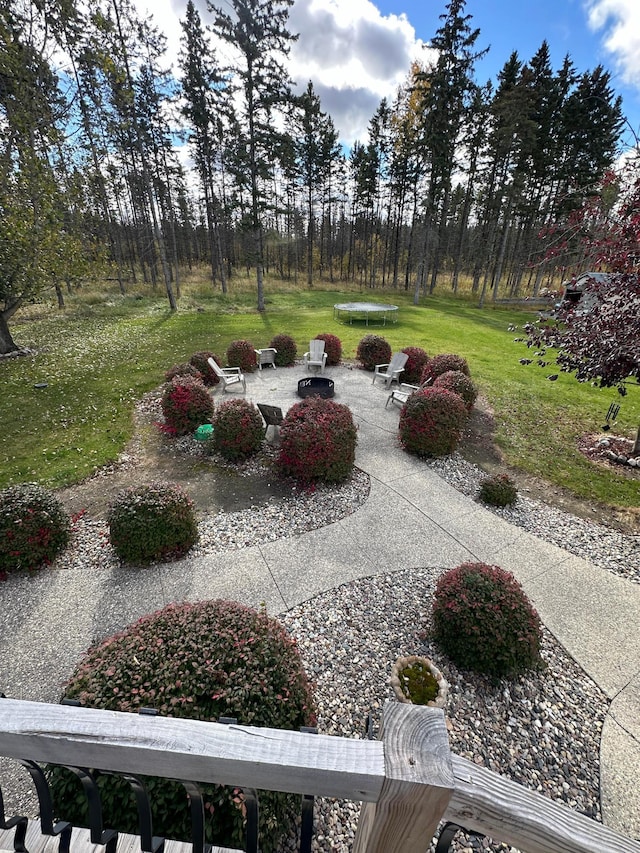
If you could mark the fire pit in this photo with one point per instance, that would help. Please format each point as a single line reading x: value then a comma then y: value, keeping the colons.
x: 316, y: 386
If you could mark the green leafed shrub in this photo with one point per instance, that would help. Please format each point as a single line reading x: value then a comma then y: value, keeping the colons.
x: 317, y: 442
x: 152, y: 522
x: 372, y: 350
x: 286, y: 350
x: 484, y: 621
x: 332, y: 347
x: 412, y: 372
x: 431, y: 422
x: 186, y: 404
x: 34, y: 527
x: 242, y: 354
x: 441, y: 364
x: 200, y: 361
x: 460, y: 384
x: 238, y: 430
x: 181, y: 370
x: 498, y: 490
x: 198, y: 661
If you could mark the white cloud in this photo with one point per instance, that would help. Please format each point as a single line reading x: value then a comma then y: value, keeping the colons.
x: 620, y: 20
x: 354, y: 55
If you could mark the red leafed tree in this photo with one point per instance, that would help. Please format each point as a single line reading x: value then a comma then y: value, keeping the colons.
x: 601, y: 342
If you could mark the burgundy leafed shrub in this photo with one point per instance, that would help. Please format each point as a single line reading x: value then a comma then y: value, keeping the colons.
x: 460, y: 384
x: 441, y: 364
x: 182, y: 370
x: 242, y: 354
x: 484, y: 621
x: 152, y: 522
x: 431, y: 422
x: 186, y: 405
x: 200, y: 361
x: 198, y: 661
x: 412, y: 372
x: 317, y: 442
x: 34, y: 528
x: 498, y: 490
x: 286, y: 350
x: 372, y: 350
x: 332, y: 347
x: 238, y: 430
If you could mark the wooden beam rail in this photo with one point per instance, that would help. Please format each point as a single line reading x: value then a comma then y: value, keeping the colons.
x: 408, y: 781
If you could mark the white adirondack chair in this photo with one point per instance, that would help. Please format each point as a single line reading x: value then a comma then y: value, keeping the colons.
x: 401, y: 394
x: 391, y: 371
x: 266, y: 355
x: 316, y: 357
x: 227, y: 375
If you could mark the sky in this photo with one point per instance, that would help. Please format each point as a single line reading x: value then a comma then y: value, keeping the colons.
x: 358, y: 51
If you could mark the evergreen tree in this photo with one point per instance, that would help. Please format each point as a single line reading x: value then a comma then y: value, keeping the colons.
x: 445, y: 99
x: 256, y: 29
x: 205, y: 107
x: 316, y: 149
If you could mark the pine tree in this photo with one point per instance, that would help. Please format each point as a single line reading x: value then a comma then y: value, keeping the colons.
x: 205, y: 108
x: 257, y: 30
x: 316, y: 149
x: 445, y: 99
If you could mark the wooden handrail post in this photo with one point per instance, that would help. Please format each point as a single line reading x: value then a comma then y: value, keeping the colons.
x: 418, y: 782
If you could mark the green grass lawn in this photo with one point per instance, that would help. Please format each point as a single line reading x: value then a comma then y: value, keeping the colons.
x: 99, y: 355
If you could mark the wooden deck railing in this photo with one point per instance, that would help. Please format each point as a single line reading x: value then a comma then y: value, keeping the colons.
x: 408, y: 781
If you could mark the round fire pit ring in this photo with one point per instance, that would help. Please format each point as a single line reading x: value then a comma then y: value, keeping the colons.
x: 316, y: 386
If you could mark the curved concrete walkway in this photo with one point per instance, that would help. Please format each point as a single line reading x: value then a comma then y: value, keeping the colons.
x: 48, y: 620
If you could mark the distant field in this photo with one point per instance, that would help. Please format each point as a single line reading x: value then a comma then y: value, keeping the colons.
x: 103, y: 351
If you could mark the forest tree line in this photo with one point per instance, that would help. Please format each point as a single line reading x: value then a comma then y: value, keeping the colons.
x: 456, y: 179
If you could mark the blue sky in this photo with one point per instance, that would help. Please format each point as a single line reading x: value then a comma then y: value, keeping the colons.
x: 569, y: 26
x: 358, y: 51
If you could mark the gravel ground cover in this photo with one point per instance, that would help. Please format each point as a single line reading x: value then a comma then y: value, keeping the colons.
x: 605, y: 547
x: 542, y: 730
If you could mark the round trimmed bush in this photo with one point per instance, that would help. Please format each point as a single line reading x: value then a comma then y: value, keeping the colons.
x: 152, y: 522
x: 317, y: 442
x: 181, y: 370
x: 498, y: 490
x: 198, y: 661
x: 286, y: 350
x: 431, y: 422
x: 483, y: 621
x: 372, y: 350
x: 238, y: 430
x: 332, y: 347
x: 412, y: 372
x: 460, y: 384
x: 34, y: 527
x: 442, y: 363
x: 186, y: 405
x: 242, y: 354
x: 200, y: 361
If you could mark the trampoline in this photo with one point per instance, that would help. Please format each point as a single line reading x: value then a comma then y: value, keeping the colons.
x: 377, y: 311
